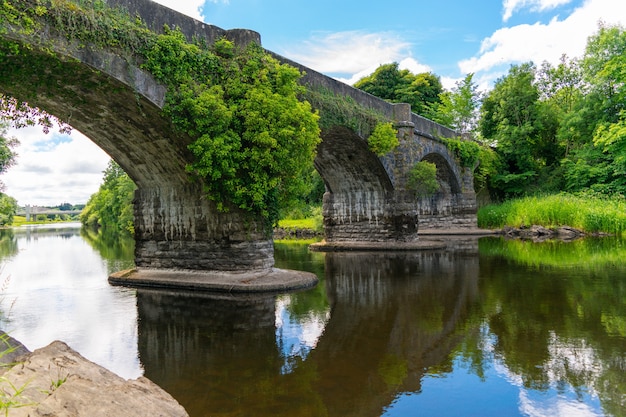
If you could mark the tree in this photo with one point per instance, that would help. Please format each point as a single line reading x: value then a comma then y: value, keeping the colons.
x: 112, y: 206
x: 522, y: 129
x: 458, y: 108
x: 388, y: 82
x: 596, y: 123
x: 604, y: 66
x: 8, y: 208
x: 8, y: 205
x: 7, y: 155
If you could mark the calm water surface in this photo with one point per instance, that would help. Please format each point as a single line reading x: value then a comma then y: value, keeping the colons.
x: 487, y: 328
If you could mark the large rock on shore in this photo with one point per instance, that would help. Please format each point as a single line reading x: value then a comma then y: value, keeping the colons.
x: 58, y: 381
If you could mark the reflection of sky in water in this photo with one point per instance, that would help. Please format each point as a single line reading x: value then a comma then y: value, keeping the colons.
x: 296, y: 338
x: 502, y: 392
x: 57, y: 289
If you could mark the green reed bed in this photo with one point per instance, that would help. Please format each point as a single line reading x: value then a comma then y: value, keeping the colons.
x: 587, y: 212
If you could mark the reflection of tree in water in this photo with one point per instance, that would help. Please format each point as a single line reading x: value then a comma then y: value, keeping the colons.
x: 558, y: 325
x: 391, y: 320
x: 8, y: 244
x: 116, y: 248
x: 8, y: 249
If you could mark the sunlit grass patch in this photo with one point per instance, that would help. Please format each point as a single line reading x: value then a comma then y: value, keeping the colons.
x: 587, y: 212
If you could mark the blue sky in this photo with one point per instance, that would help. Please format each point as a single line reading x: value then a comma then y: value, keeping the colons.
x: 345, y: 39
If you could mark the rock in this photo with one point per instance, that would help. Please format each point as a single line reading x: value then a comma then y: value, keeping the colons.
x: 58, y: 381
x: 540, y: 233
x: 10, y: 350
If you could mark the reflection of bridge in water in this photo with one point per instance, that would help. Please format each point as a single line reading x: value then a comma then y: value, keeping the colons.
x: 33, y: 211
x: 387, y: 320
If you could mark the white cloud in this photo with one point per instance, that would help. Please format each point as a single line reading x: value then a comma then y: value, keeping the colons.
x: 188, y: 7
x: 68, y: 169
x: 350, y: 52
x: 543, y: 42
x: 511, y: 6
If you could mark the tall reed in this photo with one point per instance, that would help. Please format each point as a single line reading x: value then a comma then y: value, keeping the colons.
x: 588, y: 212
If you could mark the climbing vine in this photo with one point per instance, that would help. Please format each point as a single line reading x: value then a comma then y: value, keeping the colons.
x: 465, y: 151
x: 252, y: 138
x: 339, y: 110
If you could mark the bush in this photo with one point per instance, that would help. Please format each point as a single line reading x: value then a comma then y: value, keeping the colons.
x: 423, y: 179
x: 383, y: 139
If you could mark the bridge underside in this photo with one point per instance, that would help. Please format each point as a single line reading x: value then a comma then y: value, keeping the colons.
x: 176, y: 226
x: 361, y: 204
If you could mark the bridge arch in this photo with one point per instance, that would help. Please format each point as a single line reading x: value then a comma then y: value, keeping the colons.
x: 109, y: 99
x: 448, y: 180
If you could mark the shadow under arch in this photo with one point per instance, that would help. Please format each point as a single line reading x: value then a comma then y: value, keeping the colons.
x: 346, y: 164
x: 446, y: 177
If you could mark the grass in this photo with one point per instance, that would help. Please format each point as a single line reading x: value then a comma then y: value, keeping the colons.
x: 21, y: 220
x: 587, y: 212
x: 11, y: 396
x: 312, y: 223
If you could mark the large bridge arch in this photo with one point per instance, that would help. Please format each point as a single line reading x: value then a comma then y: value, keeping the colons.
x: 109, y: 99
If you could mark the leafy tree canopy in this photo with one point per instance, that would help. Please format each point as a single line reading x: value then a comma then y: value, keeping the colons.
x: 390, y: 83
x: 111, y: 207
x: 458, y: 109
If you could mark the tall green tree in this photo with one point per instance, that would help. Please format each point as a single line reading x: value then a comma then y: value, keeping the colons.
x: 111, y: 207
x: 459, y: 108
x: 596, y: 123
x: 421, y: 91
x: 522, y: 128
x: 8, y: 205
x: 7, y: 154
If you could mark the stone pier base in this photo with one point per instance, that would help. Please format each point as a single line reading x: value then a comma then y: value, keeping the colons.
x: 273, y: 280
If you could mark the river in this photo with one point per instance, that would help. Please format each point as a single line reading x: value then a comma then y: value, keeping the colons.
x: 489, y: 327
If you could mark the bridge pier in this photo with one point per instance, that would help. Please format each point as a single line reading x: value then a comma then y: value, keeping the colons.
x: 178, y: 227
x: 370, y: 216
x: 183, y: 241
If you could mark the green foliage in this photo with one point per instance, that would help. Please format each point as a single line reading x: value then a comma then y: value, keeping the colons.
x: 254, y: 141
x: 588, y: 212
x: 421, y: 91
x: 522, y: 129
x: 8, y: 208
x: 7, y: 155
x: 466, y: 152
x: 458, y: 109
x: 338, y: 110
x: 383, y: 139
x: 487, y: 169
x: 111, y: 207
x: 423, y: 179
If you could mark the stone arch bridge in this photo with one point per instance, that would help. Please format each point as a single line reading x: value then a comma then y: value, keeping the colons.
x: 118, y: 106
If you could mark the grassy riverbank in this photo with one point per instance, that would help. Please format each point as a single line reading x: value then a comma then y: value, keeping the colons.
x: 587, y: 212
x: 21, y: 220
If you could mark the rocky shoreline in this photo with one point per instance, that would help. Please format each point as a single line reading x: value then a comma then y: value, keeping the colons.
x: 540, y: 233
x: 57, y: 381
